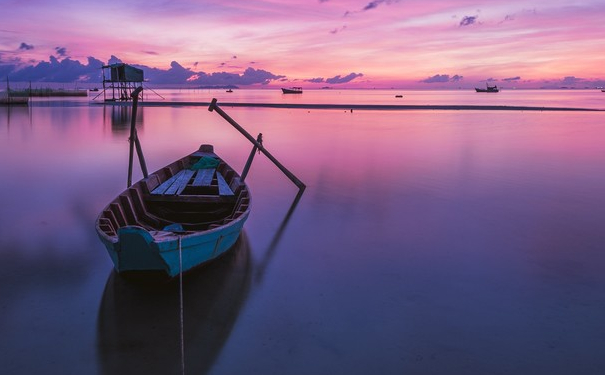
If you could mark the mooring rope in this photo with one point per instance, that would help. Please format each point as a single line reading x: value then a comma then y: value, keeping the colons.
x: 181, y: 306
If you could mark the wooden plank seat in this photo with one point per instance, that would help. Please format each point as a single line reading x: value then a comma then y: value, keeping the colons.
x: 175, y: 184
x: 204, y: 177
x: 223, y: 187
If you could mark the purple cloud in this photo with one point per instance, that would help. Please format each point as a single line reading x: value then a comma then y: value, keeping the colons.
x: 316, y: 80
x: 61, y: 51
x: 374, y: 4
x: 337, y: 30
x: 348, y: 78
x: 468, y: 20
x: 65, y: 70
x: 443, y: 78
x: 511, y: 79
x: 571, y: 80
x: 26, y: 47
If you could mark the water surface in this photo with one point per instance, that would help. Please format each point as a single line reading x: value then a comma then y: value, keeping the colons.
x: 427, y: 242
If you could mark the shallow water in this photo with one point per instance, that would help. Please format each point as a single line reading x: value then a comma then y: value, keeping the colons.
x: 426, y: 242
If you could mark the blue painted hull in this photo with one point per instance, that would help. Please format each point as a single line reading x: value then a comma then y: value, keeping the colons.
x: 178, y: 218
x: 139, y: 250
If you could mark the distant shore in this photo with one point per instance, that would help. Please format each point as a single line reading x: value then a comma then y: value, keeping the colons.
x: 359, y: 107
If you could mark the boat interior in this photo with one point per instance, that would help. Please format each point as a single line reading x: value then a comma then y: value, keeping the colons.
x: 197, y: 199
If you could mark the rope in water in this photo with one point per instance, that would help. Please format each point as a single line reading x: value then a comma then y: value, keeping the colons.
x: 181, y: 306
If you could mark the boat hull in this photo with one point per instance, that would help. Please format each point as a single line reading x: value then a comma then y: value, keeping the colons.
x: 291, y: 91
x: 139, y: 250
x: 148, y: 229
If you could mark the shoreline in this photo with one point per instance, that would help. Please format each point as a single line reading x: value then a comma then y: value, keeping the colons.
x: 366, y: 107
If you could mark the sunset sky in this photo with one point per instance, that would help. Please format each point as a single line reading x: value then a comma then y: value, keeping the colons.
x: 346, y: 43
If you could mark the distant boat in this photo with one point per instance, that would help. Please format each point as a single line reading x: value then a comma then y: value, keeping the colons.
x: 488, y: 89
x: 292, y: 90
x: 94, y: 89
x: 229, y: 90
x: 399, y: 96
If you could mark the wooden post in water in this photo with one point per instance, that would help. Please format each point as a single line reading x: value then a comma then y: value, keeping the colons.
x: 214, y: 107
x: 134, y: 138
x: 259, y: 139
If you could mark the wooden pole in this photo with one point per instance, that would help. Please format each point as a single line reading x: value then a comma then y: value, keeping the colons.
x: 292, y: 177
x: 134, y: 138
x: 259, y: 139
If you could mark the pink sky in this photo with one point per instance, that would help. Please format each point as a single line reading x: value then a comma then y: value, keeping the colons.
x: 391, y: 43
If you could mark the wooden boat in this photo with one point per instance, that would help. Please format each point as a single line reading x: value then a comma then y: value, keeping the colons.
x: 292, y: 90
x: 488, y: 89
x: 181, y: 216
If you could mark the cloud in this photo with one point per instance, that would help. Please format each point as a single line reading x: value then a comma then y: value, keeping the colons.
x: 151, y: 53
x: 372, y: 5
x: 65, y: 70
x: 442, y: 78
x: 348, y: 78
x: 316, y: 80
x: 176, y: 73
x: 337, y: 30
x: 250, y: 76
x: 511, y: 79
x: 61, y: 51
x: 114, y: 60
x: 468, y: 20
x: 68, y: 70
x: 26, y: 47
x: 571, y: 80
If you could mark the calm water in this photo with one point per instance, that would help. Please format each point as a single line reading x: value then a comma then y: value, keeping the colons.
x: 427, y: 242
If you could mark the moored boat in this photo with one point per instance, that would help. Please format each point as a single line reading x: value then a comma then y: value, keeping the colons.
x: 488, y: 89
x: 292, y: 90
x: 179, y: 217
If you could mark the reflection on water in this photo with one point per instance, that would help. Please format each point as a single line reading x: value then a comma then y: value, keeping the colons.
x: 139, y: 324
x: 14, y: 116
x: 120, y: 117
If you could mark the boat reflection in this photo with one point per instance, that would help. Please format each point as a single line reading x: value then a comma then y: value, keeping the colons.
x: 139, y: 320
x: 138, y: 327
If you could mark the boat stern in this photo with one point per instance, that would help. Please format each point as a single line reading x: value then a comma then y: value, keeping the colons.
x: 135, y: 251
